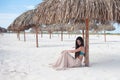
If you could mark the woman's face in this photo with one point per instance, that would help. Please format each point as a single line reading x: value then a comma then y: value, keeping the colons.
x: 78, y: 42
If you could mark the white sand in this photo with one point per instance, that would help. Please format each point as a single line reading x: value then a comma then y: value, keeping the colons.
x: 21, y: 60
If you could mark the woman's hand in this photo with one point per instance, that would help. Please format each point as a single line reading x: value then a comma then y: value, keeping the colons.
x: 71, y: 51
x: 67, y: 51
x: 64, y: 51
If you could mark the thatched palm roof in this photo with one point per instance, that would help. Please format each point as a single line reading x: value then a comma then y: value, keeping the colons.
x: 78, y: 26
x: 107, y: 27
x: 115, y: 5
x: 62, y: 11
x: 57, y: 27
x: 24, y: 21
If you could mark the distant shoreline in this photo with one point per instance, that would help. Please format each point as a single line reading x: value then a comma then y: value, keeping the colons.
x: 71, y: 33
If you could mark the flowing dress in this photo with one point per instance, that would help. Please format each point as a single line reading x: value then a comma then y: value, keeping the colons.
x: 65, y: 60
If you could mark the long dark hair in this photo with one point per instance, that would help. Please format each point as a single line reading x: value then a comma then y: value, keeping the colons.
x: 77, y: 45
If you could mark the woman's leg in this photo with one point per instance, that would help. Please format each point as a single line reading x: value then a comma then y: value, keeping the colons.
x: 81, y: 57
x: 71, y: 61
x: 64, y: 61
x: 61, y: 61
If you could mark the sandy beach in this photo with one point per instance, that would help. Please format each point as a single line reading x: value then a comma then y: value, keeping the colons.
x: 21, y: 60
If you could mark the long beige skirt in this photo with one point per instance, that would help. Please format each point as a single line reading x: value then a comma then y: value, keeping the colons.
x: 66, y: 61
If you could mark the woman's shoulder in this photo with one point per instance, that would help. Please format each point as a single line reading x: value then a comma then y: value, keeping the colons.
x: 82, y: 48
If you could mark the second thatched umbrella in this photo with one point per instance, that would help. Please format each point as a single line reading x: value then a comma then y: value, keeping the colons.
x: 24, y: 22
x: 105, y: 27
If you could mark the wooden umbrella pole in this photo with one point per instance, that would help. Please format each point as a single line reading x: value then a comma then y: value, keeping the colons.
x: 41, y: 33
x: 61, y: 34
x: 83, y: 33
x: 104, y: 36
x: 9, y: 31
x: 50, y: 35
x: 75, y: 34
x: 24, y: 36
x: 87, y: 43
x: 18, y: 35
x: 36, y: 37
x: 68, y: 34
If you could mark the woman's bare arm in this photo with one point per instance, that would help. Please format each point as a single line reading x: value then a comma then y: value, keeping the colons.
x: 76, y: 50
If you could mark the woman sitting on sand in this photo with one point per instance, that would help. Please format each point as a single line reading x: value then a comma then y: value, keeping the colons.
x: 67, y: 61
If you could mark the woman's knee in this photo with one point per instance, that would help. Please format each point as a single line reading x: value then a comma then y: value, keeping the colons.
x: 64, y: 52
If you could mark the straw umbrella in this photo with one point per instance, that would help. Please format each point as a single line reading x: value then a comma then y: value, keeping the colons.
x: 17, y: 24
x: 105, y: 27
x: 25, y: 21
x: 76, y: 28
x: 12, y: 28
x: 2, y: 30
x: 69, y: 28
x: 60, y: 27
x: 80, y: 26
x: 62, y: 11
x: 31, y: 21
x: 50, y: 29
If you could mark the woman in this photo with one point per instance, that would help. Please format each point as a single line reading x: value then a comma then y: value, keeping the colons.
x: 68, y: 61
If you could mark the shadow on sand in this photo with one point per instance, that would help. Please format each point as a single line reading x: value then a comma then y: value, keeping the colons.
x: 108, y: 61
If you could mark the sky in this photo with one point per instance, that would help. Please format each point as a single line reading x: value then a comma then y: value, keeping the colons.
x: 10, y: 9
